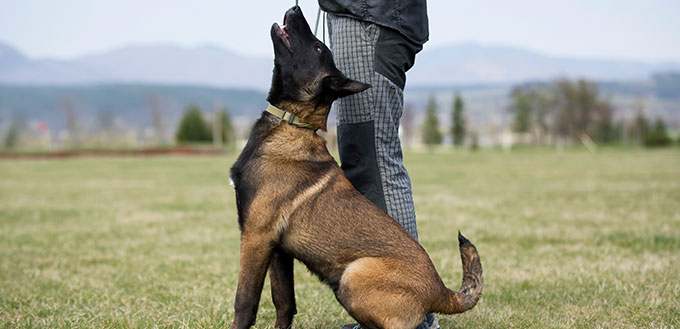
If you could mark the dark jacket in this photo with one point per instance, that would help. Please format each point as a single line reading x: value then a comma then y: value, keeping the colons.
x: 406, y: 16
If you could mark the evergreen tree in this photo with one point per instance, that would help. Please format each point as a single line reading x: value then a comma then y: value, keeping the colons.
x: 12, y: 136
x: 458, y: 121
x: 640, y: 127
x: 431, y: 134
x: 602, y: 128
x: 192, y: 127
x: 474, y: 141
x: 228, y: 134
x: 658, y: 136
x: 522, y: 109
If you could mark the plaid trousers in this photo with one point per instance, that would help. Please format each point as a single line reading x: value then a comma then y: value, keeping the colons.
x: 368, y: 123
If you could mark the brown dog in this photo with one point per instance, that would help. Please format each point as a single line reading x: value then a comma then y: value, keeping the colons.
x: 294, y: 202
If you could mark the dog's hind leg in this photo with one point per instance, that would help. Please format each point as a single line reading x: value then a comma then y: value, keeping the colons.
x: 256, y: 252
x: 283, y: 293
x: 376, y: 296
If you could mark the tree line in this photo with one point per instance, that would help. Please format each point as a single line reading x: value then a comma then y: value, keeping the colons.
x: 194, y: 128
x: 561, y: 111
x: 570, y: 111
x: 458, y: 132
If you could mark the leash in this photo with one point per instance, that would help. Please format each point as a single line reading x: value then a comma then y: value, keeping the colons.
x: 319, y: 17
x: 316, y: 26
x: 323, y: 24
x: 290, y: 118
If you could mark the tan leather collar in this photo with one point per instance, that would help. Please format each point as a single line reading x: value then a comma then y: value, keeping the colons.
x: 289, y: 117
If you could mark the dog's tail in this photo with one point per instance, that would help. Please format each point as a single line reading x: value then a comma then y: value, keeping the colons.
x: 473, y: 282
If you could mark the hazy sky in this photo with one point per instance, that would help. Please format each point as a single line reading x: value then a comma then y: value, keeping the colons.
x: 646, y: 30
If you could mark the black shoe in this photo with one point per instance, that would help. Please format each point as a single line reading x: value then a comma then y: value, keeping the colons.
x: 351, y: 326
x: 430, y: 319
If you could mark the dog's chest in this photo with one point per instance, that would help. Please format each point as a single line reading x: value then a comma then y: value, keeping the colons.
x: 245, y: 186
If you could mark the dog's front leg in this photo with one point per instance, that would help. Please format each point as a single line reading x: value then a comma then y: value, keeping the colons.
x: 256, y: 252
x: 283, y: 292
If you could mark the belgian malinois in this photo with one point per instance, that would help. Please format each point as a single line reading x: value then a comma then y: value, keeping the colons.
x: 294, y: 202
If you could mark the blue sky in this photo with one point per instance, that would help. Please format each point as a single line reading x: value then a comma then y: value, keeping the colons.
x: 622, y: 29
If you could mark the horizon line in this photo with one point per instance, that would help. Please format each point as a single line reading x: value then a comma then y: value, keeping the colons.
x: 426, y: 49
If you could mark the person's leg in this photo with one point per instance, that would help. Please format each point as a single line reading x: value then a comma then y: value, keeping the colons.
x: 368, y: 122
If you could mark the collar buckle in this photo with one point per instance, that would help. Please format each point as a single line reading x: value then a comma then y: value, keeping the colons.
x: 291, y: 120
x: 292, y: 117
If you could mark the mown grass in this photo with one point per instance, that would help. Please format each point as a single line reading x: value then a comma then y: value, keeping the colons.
x: 570, y: 240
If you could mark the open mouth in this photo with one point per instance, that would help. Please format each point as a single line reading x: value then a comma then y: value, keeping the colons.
x: 283, y: 34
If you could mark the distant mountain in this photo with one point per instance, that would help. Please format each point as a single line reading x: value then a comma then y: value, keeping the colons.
x: 207, y: 65
x: 471, y: 63
x: 15, y: 68
x: 162, y: 64
x: 461, y: 64
x: 10, y: 58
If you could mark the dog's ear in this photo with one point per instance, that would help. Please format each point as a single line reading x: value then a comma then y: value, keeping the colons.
x: 342, y: 86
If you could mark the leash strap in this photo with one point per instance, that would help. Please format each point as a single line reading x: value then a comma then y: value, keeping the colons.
x: 289, y: 117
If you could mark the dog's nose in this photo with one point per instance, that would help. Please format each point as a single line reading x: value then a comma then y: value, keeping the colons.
x: 293, y: 10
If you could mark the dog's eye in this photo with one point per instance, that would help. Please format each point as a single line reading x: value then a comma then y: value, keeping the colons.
x: 318, y: 49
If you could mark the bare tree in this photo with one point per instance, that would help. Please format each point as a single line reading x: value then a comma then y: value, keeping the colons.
x: 158, y: 117
x: 565, y: 109
x: 69, y: 109
x: 217, y: 125
x: 640, y: 126
x: 406, y: 122
x: 105, y: 119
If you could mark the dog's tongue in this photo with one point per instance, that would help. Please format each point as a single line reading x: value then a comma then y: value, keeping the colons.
x: 285, y: 33
x: 283, y: 28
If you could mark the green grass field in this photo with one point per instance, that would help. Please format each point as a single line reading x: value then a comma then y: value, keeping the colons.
x: 570, y: 240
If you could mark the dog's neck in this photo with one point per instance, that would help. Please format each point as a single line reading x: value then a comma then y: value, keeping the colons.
x: 289, y: 117
x: 308, y: 111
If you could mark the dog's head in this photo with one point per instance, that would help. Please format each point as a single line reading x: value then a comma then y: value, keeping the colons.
x: 305, y: 77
